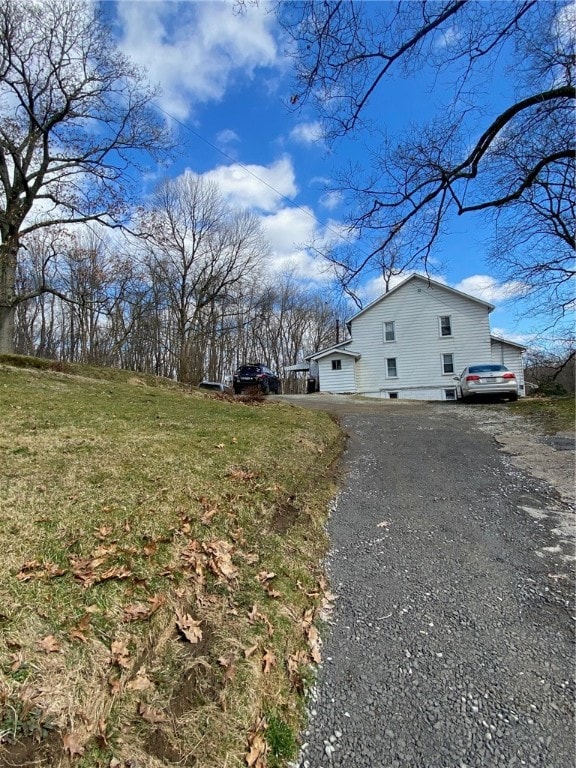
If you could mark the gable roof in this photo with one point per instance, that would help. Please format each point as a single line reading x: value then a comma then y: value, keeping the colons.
x: 335, y: 350
x: 508, y: 343
x: 428, y: 282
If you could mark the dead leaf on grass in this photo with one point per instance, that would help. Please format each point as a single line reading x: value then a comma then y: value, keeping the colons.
x: 265, y: 576
x: 229, y: 664
x: 150, y: 714
x: 242, y: 474
x: 220, y: 558
x: 34, y: 569
x: 250, y: 651
x: 103, y: 531
x: 143, y: 611
x: 120, y: 653
x: 257, y: 746
x: 268, y: 661
x: 118, y: 572
x: 50, y: 644
x: 141, y: 682
x: 189, y: 627
x: 73, y: 744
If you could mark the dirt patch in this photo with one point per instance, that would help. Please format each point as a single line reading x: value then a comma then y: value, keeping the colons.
x: 548, y: 458
x: 286, y: 514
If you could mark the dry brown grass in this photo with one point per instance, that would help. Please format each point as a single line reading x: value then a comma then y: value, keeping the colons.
x: 160, y: 557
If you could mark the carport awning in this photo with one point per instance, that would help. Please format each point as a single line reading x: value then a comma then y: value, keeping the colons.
x: 298, y: 367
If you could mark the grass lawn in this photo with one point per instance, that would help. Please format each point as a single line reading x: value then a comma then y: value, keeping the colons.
x: 160, y: 570
x: 550, y: 414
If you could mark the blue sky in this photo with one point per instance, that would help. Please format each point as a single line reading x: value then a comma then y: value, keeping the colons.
x: 226, y: 84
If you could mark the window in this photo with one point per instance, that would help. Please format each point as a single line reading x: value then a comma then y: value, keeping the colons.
x: 336, y: 365
x: 449, y: 394
x: 391, y: 368
x: 448, y: 363
x: 393, y: 395
x: 389, y: 331
x: 445, y: 325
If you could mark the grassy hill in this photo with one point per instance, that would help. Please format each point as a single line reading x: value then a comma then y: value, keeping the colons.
x: 160, y: 554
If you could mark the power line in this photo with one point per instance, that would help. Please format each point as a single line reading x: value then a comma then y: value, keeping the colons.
x: 245, y: 168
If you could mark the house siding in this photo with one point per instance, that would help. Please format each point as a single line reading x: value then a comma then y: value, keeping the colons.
x: 510, y: 356
x: 416, y: 308
x: 341, y: 381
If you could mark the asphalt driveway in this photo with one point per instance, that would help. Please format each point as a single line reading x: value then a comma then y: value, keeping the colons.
x: 451, y: 642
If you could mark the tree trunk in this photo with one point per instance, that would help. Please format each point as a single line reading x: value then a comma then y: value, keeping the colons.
x: 7, y: 305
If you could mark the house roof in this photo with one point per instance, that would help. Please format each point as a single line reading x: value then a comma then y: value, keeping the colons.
x: 428, y: 283
x: 509, y: 343
x: 336, y: 350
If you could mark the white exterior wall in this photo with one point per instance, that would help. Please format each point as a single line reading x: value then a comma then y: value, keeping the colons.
x: 337, y: 381
x: 415, y: 309
x: 511, y: 357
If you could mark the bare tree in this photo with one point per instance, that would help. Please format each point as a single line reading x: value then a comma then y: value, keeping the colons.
x: 75, y: 116
x: 472, y: 157
x: 199, y: 251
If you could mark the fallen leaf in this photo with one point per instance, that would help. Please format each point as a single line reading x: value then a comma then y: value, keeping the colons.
x: 268, y: 661
x: 229, y: 664
x: 103, y: 532
x: 137, y: 612
x: 151, y: 715
x: 150, y: 549
x: 72, y: 744
x: 383, y: 524
x: 257, y: 746
x: 220, y: 446
x: 49, y: 644
x: 265, y: 576
x: 141, y: 682
x: 119, y: 572
x: 120, y: 653
x: 250, y: 651
x: 115, y: 684
x: 189, y: 627
x: 79, y: 631
x: 220, y: 559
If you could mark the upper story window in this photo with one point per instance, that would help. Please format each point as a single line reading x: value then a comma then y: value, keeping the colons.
x: 336, y: 365
x: 391, y: 368
x: 445, y: 325
x: 389, y: 331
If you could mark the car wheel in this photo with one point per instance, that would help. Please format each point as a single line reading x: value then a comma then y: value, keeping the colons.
x: 237, y: 390
x: 513, y: 397
x: 266, y: 388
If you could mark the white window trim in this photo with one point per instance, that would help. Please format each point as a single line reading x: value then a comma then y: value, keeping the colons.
x: 449, y: 335
x: 384, y: 324
x: 389, y: 376
x: 451, y: 389
x: 335, y: 366
x: 453, y: 371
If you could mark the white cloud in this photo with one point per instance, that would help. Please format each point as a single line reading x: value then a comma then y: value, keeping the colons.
x: 258, y: 187
x: 194, y: 49
x: 489, y: 289
x: 227, y: 136
x: 519, y: 338
x: 331, y: 200
x: 289, y: 232
x: 307, y: 133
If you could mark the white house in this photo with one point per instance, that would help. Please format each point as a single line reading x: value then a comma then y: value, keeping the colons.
x: 411, y: 343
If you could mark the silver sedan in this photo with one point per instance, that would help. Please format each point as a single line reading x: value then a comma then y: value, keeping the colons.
x: 487, y: 379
